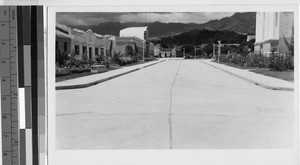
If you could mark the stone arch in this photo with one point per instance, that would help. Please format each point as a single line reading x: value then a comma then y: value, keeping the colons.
x: 129, y: 49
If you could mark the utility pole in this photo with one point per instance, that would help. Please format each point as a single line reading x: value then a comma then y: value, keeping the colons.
x: 143, y: 51
x: 214, y: 54
x: 219, y: 50
x: 195, y: 48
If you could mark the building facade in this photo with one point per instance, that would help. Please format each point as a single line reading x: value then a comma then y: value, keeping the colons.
x: 62, y: 43
x: 156, y: 50
x: 87, y: 44
x: 167, y: 52
x: 126, y: 45
x: 250, y: 37
x: 272, y: 28
x: 135, y: 38
x: 80, y: 44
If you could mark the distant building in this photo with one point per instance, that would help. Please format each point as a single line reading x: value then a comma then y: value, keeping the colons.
x: 167, y: 52
x: 139, y: 32
x: 135, y: 38
x: 151, y: 50
x: 156, y: 50
x: 272, y: 29
x: 250, y: 37
x: 127, y: 45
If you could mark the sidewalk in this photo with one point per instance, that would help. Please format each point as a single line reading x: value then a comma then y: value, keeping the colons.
x: 258, y: 79
x: 87, y: 81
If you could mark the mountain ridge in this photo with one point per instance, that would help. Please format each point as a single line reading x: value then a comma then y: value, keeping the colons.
x: 238, y: 22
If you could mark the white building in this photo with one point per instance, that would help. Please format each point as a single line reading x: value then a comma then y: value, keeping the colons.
x: 156, y: 50
x: 132, y: 38
x: 250, y: 37
x: 272, y: 28
x: 167, y: 52
x: 139, y: 32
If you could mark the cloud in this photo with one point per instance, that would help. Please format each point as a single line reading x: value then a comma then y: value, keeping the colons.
x: 96, y: 18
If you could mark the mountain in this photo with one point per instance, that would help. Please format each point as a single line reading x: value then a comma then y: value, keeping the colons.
x: 238, y: 22
x: 156, y: 29
x: 201, y: 36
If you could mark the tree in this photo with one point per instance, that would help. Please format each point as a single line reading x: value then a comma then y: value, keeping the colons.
x: 208, y: 49
x: 110, y: 48
x: 136, y: 50
x: 290, y: 44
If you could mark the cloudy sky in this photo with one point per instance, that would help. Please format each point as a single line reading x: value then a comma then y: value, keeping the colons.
x: 96, y: 18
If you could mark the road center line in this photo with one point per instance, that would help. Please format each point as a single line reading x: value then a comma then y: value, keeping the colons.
x: 170, y: 108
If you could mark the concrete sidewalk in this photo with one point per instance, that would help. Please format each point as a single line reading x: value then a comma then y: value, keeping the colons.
x: 87, y: 81
x: 258, y: 79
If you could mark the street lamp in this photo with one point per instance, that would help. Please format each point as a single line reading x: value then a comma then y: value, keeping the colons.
x: 195, y: 48
x: 143, y: 51
x: 219, y: 50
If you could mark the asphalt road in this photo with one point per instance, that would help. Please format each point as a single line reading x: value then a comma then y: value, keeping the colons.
x: 177, y: 104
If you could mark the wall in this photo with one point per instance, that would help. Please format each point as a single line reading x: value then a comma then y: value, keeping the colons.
x: 271, y: 29
x: 89, y: 40
x: 166, y: 54
x: 60, y: 44
x: 121, y: 42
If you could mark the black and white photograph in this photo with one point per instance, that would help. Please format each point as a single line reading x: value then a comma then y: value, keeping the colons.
x: 174, y: 80
x: 130, y: 82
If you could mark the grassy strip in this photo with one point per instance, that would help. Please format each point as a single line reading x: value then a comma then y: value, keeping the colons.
x: 283, y: 75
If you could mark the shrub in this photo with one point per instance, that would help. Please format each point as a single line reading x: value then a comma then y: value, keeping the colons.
x: 76, y: 63
x: 136, y: 57
x: 124, y: 60
x: 99, y: 59
x: 149, y: 59
x: 289, y: 61
x: 81, y: 70
x: 256, y: 60
x: 280, y: 62
x: 61, y: 72
x: 61, y: 57
x: 276, y: 62
x: 234, y: 58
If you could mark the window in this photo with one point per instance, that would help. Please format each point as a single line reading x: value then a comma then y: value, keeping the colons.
x: 65, y: 46
x: 102, y: 51
x: 84, y: 49
x: 96, y: 51
x: 77, y: 49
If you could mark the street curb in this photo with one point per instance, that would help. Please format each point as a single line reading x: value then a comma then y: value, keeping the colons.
x: 252, y: 81
x: 102, y: 80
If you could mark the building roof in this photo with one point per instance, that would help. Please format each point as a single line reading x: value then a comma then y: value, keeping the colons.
x: 133, y: 32
x: 98, y: 35
x: 78, y: 31
x: 166, y: 49
x: 62, y: 27
x: 62, y: 34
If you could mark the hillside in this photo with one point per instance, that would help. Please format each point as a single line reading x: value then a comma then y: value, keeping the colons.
x: 239, y: 22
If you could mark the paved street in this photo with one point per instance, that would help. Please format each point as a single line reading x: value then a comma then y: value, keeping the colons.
x: 178, y: 104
